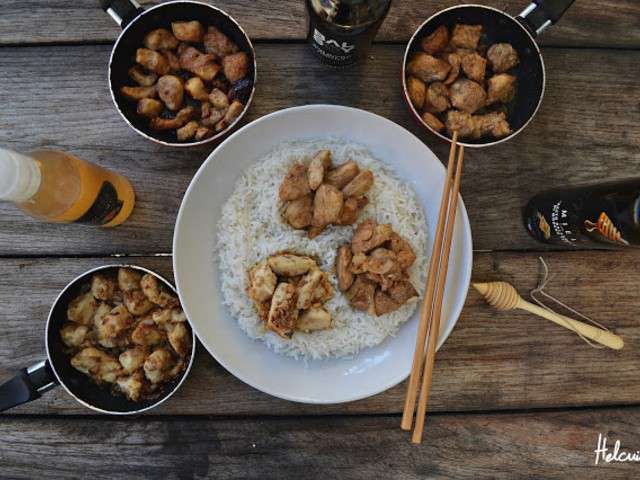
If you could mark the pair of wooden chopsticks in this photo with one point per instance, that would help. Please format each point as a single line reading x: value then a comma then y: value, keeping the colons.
x: 430, y: 312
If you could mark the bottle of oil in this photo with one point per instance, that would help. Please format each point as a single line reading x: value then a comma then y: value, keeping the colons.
x: 607, y: 213
x: 58, y: 187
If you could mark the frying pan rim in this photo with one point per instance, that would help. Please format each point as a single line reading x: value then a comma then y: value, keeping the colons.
x: 404, y: 76
x: 58, y: 377
x: 217, y: 135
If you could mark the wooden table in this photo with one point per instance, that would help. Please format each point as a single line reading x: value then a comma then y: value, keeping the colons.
x: 513, y: 397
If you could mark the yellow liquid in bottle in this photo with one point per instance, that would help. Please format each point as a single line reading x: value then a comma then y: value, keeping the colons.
x: 73, y: 190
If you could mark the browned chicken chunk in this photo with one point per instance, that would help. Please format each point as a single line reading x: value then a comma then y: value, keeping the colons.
x: 320, y: 163
x: 147, y: 333
x: 342, y: 174
x: 196, y: 89
x: 73, y: 334
x: 113, y: 325
x: 299, y: 212
x: 131, y: 386
x: 474, y: 67
x: 218, y: 43
x: 369, y: 235
x: 343, y: 262
x: 82, y: 308
x: 461, y: 122
x: 132, y: 359
x: 101, y: 366
x: 149, y: 107
x: 359, y: 185
x: 262, y: 282
x: 436, y: 41
x: 417, y: 91
x: 202, y: 133
x: 361, y: 294
x: 384, y: 303
x: 160, y: 38
x: 154, y: 292
x: 467, y: 95
x: 283, y: 312
x: 327, y: 205
x: 218, y: 99
x: 433, y: 121
x: 233, y: 112
x: 179, y: 338
x: 137, y: 302
x: 102, y: 287
x: 188, y: 31
x: 494, y: 123
x: 382, y: 261
x: 313, y: 319
x: 182, y: 118
x: 402, y: 291
x: 157, y: 367
x: 437, y: 99
x: 171, y: 91
x: 404, y: 251
x: 128, y: 279
x: 235, y: 66
x: 152, y: 61
x: 138, y: 93
x: 466, y: 36
x: 200, y: 64
x: 290, y: 265
x: 172, y: 58
x: 188, y: 131
x: 351, y: 209
x: 502, y: 57
x: 295, y: 183
x: 501, y: 88
x: 307, y: 287
x: 142, y: 78
x: 427, y: 68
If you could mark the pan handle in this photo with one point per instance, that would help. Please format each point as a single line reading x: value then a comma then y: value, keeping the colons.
x: 28, y: 384
x: 122, y: 11
x: 542, y: 13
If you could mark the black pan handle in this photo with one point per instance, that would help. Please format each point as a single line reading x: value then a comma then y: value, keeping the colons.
x: 28, y: 384
x: 542, y: 13
x: 122, y: 11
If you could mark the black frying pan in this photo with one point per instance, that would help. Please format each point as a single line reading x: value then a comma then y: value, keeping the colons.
x: 136, y: 23
x: 499, y: 26
x: 30, y: 383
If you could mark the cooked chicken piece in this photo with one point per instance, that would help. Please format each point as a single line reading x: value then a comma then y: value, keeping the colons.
x: 73, y: 334
x: 358, y: 263
x: 437, y: 99
x: 316, y: 318
x: 188, y: 131
x: 351, y: 209
x: 342, y: 174
x: 157, y: 367
x: 433, y: 121
x: 235, y: 66
x: 203, y: 133
x: 283, y: 312
x: 233, y: 112
x: 188, y: 31
x: 502, y: 57
x: 462, y: 122
x: 262, y: 282
x: 138, y: 93
x: 160, y: 38
x: 466, y: 36
x: 417, y: 91
x: 436, y: 41
x: 218, y: 43
x: 501, y: 88
x: 200, y: 64
x: 102, y: 287
x: 385, y: 281
x: 299, y: 213
x: 132, y: 359
x: 113, y: 325
x: 382, y: 262
x: 384, y: 303
x: 324, y: 290
x: 171, y: 91
x: 212, y: 118
x: 307, y: 288
x: 474, y: 67
x: 179, y: 338
x: 402, y: 292
x: 172, y: 58
x: 155, y: 293
x: 327, y: 205
x: 467, y: 95
x: 317, y: 168
x: 131, y: 386
x: 152, y: 61
x: 97, y: 364
x: 147, y: 333
x: 137, y: 302
x: 295, y: 183
x: 455, y: 61
x: 361, y: 294
x: 128, y: 279
x: 493, y: 123
x: 263, y: 310
x: 103, y: 310
x: 218, y: 99
x: 403, y: 250
x: 178, y: 315
x: 343, y: 264
x: 289, y: 265
x: 82, y: 308
x: 149, y: 107
x: 370, y: 235
x: 182, y: 118
x: 141, y: 78
x: 195, y: 87
x: 162, y: 317
x: 427, y: 68
x: 360, y: 184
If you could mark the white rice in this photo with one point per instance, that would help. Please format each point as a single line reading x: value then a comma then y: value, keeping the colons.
x: 251, y: 229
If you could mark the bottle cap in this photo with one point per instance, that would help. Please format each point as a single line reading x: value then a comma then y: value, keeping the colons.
x: 19, y: 176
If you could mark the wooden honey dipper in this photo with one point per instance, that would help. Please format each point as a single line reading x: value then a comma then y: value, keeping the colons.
x: 503, y: 296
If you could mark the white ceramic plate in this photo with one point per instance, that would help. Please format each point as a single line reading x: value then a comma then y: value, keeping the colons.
x: 196, y: 271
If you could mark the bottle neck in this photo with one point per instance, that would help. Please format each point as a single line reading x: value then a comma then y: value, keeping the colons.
x: 20, y: 176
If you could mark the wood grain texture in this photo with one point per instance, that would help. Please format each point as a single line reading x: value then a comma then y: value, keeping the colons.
x: 545, y: 445
x: 606, y: 23
x: 582, y: 133
x: 493, y: 360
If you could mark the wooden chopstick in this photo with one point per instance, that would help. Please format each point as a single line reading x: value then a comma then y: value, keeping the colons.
x: 427, y: 302
x: 437, y: 310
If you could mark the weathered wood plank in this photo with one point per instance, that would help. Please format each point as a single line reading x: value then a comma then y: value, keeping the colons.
x: 544, y: 445
x: 581, y: 134
x: 492, y: 360
x: 607, y: 23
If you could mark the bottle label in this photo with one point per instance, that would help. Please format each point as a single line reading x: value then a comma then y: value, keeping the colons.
x: 334, y: 50
x: 105, y: 207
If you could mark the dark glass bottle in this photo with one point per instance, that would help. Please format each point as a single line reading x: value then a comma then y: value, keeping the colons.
x: 341, y: 31
x: 606, y: 214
